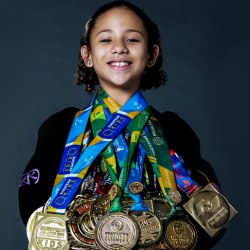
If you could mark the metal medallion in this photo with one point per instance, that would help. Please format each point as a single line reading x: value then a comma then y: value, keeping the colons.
x: 210, y: 209
x: 161, y: 208
x: 149, y: 225
x: 79, y: 226
x: 31, y: 221
x: 116, y: 231
x: 180, y: 233
x: 135, y: 187
x: 114, y: 192
x: 49, y: 232
x: 174, y: 195
x: 99, y: 208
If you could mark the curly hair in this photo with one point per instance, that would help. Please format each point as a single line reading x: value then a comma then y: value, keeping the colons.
x: 153, y: 76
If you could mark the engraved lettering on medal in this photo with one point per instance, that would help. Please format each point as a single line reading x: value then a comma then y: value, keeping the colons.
x: 51, y: 234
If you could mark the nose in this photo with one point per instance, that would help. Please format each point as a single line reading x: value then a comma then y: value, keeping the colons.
x: 119, y: 47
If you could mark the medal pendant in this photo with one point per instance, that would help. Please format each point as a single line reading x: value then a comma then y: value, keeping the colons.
x: 31, y: 221
x: 116, y: 231
x: 99, y: 208
x: 161, y: 208
x: 180, y: 234
x: 210, y: 209
x: 174, y: 195
x: 79, y: 226
x: 135, y: 187
x: 150, y: 227
x: 49, y: 232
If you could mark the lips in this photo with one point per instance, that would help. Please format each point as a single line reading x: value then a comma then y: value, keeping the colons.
x: 120, y: 64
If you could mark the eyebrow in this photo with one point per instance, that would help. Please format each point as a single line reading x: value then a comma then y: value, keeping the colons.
x: 128, y: 30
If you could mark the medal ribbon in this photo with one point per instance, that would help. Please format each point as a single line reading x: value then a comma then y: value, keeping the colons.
x: 66, y: 184
x: 157, y: 151
x: 123, y: 153
x: 184, y: 181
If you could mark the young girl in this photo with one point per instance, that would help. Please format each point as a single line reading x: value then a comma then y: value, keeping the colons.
x: 118, y: 173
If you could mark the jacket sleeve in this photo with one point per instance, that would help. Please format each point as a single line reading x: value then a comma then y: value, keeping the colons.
x: 39, y: 175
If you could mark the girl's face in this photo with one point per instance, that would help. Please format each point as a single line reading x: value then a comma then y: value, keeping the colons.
x: 118, y: 49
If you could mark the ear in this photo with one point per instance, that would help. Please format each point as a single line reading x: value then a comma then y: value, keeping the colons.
x: 152, y: 60
x: 86, y: 56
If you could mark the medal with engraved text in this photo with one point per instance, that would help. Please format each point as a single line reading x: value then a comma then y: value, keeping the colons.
x: 180, y: 233
x: 79, y: 226
x: 149, y: 225
x: 116, y: 231
x: 210, y: 209
x: 49, y: 232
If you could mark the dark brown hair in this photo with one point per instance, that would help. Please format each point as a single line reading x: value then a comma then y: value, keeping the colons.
x: 152, y: 77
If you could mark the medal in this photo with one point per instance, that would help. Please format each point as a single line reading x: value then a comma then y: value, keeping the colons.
x: 49, y: 232
x: 161, y: 208
x: 99, y: 208
x: 149, y: 225
x: 180, y: 233
x: 174, y: 195
x: 210, y: 209
x: 79, y: 226
x: 135, y: 187
x: 116, y: 231
x: 31, y: 221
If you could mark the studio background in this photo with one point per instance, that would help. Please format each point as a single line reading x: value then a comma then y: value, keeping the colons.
x: 206, y: 54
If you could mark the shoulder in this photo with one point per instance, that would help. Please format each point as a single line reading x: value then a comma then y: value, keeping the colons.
x: 56, y: 127
x: 39, y: 174
x: 179, y: 135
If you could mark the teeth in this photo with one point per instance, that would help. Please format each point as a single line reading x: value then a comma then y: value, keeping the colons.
x: 119, y: 64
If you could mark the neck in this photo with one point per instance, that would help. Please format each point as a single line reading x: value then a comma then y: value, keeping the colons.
x: 120, y: 96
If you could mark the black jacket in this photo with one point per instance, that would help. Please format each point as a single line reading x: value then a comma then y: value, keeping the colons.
x: 39, y: 175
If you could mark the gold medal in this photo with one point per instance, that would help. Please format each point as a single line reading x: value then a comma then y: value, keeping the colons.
x: 116, y: 231
x: 149, y: 225
x: 135, y: 187
x: 99, y: 208
x: 31, y: 221
x: 210, y: 209
x: 79, y: 226
x: 180, y: 234
x: 49, y: 232
x: 174, y: 195
x: 161, y: 208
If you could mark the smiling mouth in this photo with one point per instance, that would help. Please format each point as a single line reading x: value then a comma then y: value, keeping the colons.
x: 119, y: 64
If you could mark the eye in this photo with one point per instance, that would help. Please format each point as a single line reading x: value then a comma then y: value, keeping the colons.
x: 105, y: 41
x: 133, y: 40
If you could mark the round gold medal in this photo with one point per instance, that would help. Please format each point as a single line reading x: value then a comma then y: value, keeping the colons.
x: 99, y: 208
x: 174, y: 195
x: 161, y: 208
x: 116, y: 231
x: 135, y: 187
x: 79, y: 225
x: 149, y: 225
x: 180, y: 233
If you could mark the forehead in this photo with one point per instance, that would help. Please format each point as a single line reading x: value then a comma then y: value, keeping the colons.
x: 119, y: 17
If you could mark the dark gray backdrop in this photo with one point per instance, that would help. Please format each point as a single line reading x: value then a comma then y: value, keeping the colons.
x: 206, y: 52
